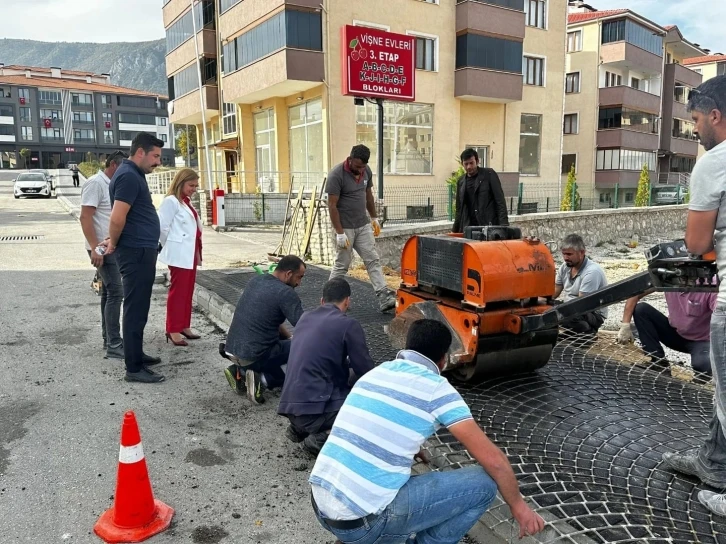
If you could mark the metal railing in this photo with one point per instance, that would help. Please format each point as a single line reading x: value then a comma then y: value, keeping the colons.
x: 244, y: 182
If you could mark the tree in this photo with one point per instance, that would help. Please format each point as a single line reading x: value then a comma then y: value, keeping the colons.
x: 642, y: 197
x: 25, y: 153
x: 566, y: 204
x: 186, y: 138
x: 451, y: 181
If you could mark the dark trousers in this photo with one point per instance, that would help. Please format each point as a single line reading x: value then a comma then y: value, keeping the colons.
x: 588, y: 323
x: 76, y: 181
x: 654, y: 330
x: 313, y: 424
x: 138, y: 270
x: 112, y: 296
x: 270, y: 365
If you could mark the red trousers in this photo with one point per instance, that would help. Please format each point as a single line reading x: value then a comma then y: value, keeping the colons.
x: 179, y: 302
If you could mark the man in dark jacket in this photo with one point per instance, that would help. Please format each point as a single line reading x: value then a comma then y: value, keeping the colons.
x: 479, y: 196
x: 326, y: 346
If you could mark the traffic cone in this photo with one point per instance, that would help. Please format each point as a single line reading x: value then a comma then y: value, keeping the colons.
x: 135, y: 514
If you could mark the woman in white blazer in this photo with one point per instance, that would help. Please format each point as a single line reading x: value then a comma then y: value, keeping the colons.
x: 181, y: 241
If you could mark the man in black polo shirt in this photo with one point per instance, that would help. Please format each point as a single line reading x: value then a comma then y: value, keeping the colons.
x: 134, y: 238
x: 479, y: 196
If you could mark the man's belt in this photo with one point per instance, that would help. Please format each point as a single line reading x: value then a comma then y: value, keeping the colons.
x: 343, y: 524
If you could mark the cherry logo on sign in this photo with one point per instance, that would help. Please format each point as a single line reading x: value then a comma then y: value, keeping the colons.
x: 357, y: 54
x: 108, y: 124
x: 47, y: 123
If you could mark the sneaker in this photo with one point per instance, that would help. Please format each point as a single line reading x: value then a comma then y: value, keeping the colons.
x: 234, y: 378
x: 115, y: 353
x: 688, y: 464
x: 254, y: 387
x: 294, y: 436
x: 715, y: 502
x: 313, y: 443
x: 388, y: 301
x: 148, y: 360
x: 144, y: 376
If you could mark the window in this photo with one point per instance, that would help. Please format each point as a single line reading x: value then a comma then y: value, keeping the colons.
x: 634, y: 83
x: 613, y: 80
x: 682, y: 164
x: 5, y: 92
x: 184, y: 82
x: 136, y: 119
x: 680, y: 93
x: 574, y: 41
x: 426, y: 54
x: 570, y: 125
x: 624, y: 159
x: 306, y: 138
x: 263, y: 124
x: 54, y: 115
x: 85, y: 117
x: 629, y: 197
x: 106, y: 101
x: 224, y: 5
x: 572, y: 82
x: 605, y: 197
x: 51, y: 133
x: 204, y: 14
x: 108, y: 136
x: 697, y: 70
x: 476, y: 51
x: 26, y: 133
x: 208, y: 66
x: 107, y: 116
x: 533, y: 70
x: 613, y: 31
x: 684, y: 129
x: 52, y: 98
x: 7, y: 130
x: 633, y: 33
x: 84, y: 134
x: 534, y: 13
x: 721, y: 69
x: 620, y: 117
x: 179, y: 32
x: 163, y: 121
x: 568, y: 161
x: 7, y: 111
x: 163, y: 137
x: 229, y: 118
x: 81, y: 99
x: 407, y: 136
x: 25, y: 115
x: 138, y: 101
x: 483, y: 152
x: 126, y: 135
x: 23, y: 93
x: 530, y: 129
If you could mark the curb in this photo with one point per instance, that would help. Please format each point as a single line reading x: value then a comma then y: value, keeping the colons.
x: 67, y: 204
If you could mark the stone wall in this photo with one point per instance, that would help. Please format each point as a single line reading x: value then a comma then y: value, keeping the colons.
x: 595, y: 226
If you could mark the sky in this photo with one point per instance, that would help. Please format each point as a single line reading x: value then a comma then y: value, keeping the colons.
x: 700, y: 21
x: 82, y: 20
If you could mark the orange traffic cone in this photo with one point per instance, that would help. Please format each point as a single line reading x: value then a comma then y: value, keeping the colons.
x: 135, y: 514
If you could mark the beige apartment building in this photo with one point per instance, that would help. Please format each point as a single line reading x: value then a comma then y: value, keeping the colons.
x: 626, y: 90
x: 489, y: 75
x: 709, y: 66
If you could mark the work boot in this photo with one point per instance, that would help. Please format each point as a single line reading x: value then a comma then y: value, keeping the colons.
x: 234, y: 378
x: 715, y: 502
x: 144, y: 376
x: 115, y: 353
x: 149, y: 360
x: 254, y: 387
x: 687, y: 463
x: 387, y: 300
x: 294, y: 436
x: 313, y: 443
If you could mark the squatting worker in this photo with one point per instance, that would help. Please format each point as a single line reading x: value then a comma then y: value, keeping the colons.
x: 705, y: 231
x: 350, y: 196
x: 362, y: 486
x: 479, y: 196
x: 95, y: 218
x: 134, y: 238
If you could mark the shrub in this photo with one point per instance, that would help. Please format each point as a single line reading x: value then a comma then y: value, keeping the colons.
x: 566, y: 204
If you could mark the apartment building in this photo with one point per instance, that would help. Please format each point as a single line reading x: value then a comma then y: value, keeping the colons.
x: 63, y: 115
x: 626, y: 89
x: 270, y: 106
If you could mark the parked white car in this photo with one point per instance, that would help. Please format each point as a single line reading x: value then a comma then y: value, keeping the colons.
x: 48, y: 175
x: 32, y: 184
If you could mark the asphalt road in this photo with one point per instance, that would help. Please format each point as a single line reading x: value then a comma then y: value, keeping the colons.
x: 224, y: 465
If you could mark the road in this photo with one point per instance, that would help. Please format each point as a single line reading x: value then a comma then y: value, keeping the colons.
x: 224, y: 465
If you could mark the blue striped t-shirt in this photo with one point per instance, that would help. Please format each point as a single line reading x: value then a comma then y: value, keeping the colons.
x: 388, y: 415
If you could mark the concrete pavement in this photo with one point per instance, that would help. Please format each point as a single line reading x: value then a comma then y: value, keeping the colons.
x: 224, y: 465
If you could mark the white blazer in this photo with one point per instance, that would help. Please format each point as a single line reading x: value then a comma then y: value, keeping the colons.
x: 178, y: 233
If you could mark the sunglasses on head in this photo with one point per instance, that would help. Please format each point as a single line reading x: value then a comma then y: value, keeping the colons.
x: 118, y: 154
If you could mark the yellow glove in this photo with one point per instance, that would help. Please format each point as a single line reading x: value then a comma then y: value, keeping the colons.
x: 625, y: 335
x: 376, y: 227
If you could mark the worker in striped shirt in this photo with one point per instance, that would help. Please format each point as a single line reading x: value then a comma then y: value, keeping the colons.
x: 362, y: 487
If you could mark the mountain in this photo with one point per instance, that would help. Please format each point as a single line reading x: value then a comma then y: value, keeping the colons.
x: 138, y: 65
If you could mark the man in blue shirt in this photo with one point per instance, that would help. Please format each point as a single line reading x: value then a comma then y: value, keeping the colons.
x: 327, y: 346
x: 134, y: 238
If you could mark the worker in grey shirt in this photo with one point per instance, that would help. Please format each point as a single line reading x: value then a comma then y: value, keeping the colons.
x: 578, y: 276
x: 350, y: 196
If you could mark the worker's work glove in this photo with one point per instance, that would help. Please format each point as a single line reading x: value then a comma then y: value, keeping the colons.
x: 376, y: 227
x: 625, y: 334
x: 341, y: 240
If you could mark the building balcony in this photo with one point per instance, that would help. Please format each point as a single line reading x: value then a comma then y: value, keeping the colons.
x: 626, y: 55
x: 629, y: 98
x: 187, y: 109
x: 286, y: 72
x: 7, y: 120
x: 173, y: 9
x: 682, y: 146
x: 625, y: 179
x: 186, y: 53
x: 481, y: 85
x: 488, y: 18
x: 682, y: 75
x: 52, y: 139
x: 630, y: 139
x: 246, y: 13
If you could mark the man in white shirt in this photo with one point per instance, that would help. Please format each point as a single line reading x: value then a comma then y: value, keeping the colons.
x: 95, y: 218
x: 706, y: 231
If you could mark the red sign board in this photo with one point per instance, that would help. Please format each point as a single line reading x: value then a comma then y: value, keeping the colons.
x: 47, y: 123
x: 378, y: 64
x: 22, y: 100
x: 108, y: 124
